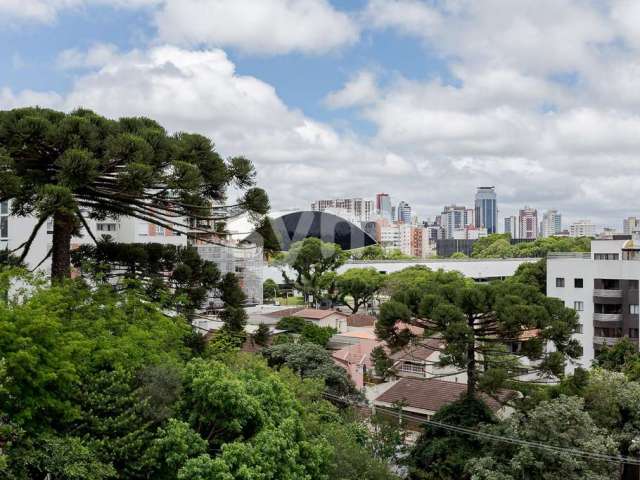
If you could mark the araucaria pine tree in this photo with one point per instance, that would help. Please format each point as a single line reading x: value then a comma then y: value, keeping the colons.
x: 55, y: 165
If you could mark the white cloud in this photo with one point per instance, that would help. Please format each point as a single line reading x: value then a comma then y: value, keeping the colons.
x: 359, y: 90
x: 46, y: 11
x: 264, y: 26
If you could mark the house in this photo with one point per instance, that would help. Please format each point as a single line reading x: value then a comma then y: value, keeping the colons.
x: 420, y: 399
x: 420, y: 359
x: 356, y: 360
x: 325, y: 318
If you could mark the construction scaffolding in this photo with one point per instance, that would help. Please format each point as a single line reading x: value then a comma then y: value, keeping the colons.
x: 246, y: 261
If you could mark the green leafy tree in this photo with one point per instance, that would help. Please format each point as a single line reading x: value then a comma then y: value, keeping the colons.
x: 561, y: 422
x: 234, y: 315
x: 361, y: 284
x: 444, y: 454
x: 311, y: 361
x: 477, y: 320
x: 262, y: 335
x: 55, y: 164
x: 532, y: 274
x: 619, y: 357
x: 311, y: 260
x: 270, y: 290
x: 381, y: 361
x: 308, y: 331
x: 176, y: 276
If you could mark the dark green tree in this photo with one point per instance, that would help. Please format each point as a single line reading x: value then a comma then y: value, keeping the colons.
x: 308, y: 331
x: 441, y: 454
x: 261, y: 337
x: 361, y: 284
x: 534, y: 274
x: 55, y: 165
x: 476, y: 321
x: 311, y: 260
x: 381, y: 361
x: 270, y: 290
x: 173, y: 275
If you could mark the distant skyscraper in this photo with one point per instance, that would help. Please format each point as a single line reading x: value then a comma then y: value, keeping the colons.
x: 356, y: 209
x: 383, y: 205
x: 582, y: 228
x: 403, y: 213
x: 528, y: 223
x: 631, y: 225
x: 453, y: 218
x: 511, y: 226
x: 551, y: 223
x: 486, y: 209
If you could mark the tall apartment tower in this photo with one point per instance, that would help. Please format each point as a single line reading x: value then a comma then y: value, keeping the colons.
x: 582, y: 228
x: 528, y: 223
x: 486, y: 209
x: 511, y: 226
x: 453, y: 218
x: 551, y: 223
x: 403, y: 212
x: 631, y: 225
x: 383, y: 205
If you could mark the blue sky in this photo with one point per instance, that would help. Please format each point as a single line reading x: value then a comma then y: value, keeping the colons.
x: 422, y: 99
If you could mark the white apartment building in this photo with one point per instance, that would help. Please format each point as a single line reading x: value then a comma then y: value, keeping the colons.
x: 511, y: 226
x: 353, y: 209
x: 551, y: 224
x: 602, y: 286
x: 631, y: 226
x: 582, y: 228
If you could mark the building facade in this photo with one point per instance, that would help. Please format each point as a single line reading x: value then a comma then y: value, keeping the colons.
x: 582, y: 228
x: 631, y: 226
x: 602, y: 286
x: 403, y: 213
x: 486, y: 211
x: 454, y: 217
x: 551, y: 224
x: 511, y: 226
x: 383, y: 206
x: 528, y: 223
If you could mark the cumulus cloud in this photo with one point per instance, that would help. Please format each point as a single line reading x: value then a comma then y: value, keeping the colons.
x: 265, y: 26
x: 360, y: 90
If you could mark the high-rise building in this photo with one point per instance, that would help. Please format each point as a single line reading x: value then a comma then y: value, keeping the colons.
x: 631, y: 225
x: 453, y: 217
x: 528, y: 223
x: 511, y: 226
x: 403, y: 212
x: 355, y: 209
x: 383, y: 205
x: 582, y: 228
x: 486, y: 211
x: 551, y: 223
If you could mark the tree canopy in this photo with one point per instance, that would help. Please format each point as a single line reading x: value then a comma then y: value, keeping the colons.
x: 478, y: 321
x: 312, y: 260
x: 361, y: 284
x: 498, y: 245
x: 70, y: 166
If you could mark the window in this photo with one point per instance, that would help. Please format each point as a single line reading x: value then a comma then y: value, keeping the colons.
x: 633, y: 333
x: 4, y: 207
x: 159, y: 230
x: 606, y: 256
x: 634, y: 309
x: 559, y: 282
x: 579, y: 328
x: 106, y: 227
x: 578, y: 306
x: 412, y: 368
x: 578, y: 283
x: 4, y: 227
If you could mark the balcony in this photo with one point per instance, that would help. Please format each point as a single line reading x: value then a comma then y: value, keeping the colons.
x: 607, y: 293
x: 608, y: 341
x: 607, y: 317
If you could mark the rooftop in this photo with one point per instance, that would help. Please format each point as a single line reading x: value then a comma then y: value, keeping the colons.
x: 431, y: 394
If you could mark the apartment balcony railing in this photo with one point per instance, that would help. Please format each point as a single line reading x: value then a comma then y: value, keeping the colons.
x: 560, y: 255
x: 609, y: 341
x: 607, y: 317
x: 601, y: 292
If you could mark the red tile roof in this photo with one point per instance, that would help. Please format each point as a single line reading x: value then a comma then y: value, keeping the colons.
x: 361, y: 320
x: 357, y: 354
x: 420, y: 351
x: 431, y: 394
x: 285, y: 312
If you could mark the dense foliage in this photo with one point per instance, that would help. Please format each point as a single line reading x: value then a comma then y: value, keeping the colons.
x: 308, y: 331
x: 498, y: 245
x: 360, y: 285
x: 476, y: 321
x: 97, y: 383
